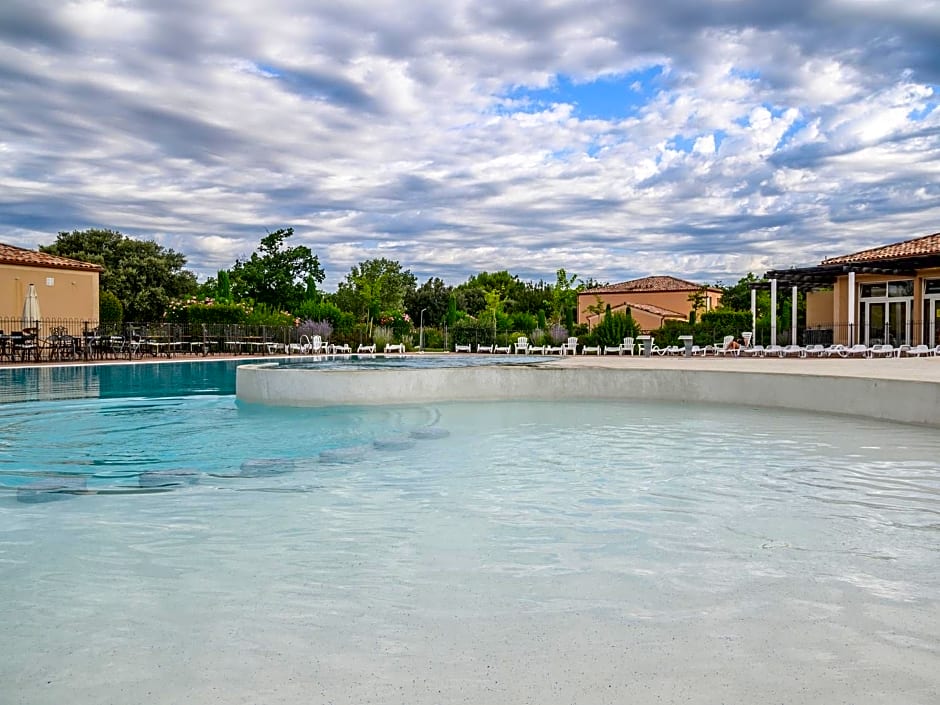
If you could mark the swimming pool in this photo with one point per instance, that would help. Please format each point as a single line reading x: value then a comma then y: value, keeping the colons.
x: 465, y: 552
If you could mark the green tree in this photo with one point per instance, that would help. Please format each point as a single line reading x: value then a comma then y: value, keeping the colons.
x: 471, y: 295
x: 374, y: 287
x: 451, y: 310
x: 533, y: 297
x: 738, y: 296
x: 614, y: 327
x: 276, y: 275
x: 224, y: 286
x: 434, y: 295
x: 109, y: 308
x: 564, y: 297
x: 143, y: 275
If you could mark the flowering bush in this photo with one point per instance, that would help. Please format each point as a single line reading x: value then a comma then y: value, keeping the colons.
x: 206, y: 310
x: 322, y: 328
x: 399, y: 323
x: 558, y: 334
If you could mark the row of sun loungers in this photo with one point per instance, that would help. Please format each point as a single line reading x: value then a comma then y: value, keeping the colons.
x: 726, y: 348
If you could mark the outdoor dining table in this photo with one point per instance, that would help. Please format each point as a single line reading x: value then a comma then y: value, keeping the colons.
x: 6, y: 346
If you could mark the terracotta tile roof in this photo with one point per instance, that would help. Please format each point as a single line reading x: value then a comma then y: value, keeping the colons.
x: 918, y: 247
x: 647, y: 308
x: 32, y: 258
x: 646, y: 284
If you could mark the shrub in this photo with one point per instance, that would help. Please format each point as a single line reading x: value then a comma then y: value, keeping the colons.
x: 382, y: 335
x: 558, y: 334
x: 207, y: 310
x: 613, y: 328
x: 264, y: 315
x: 322, y: 328
x: 110, y: 309
x: 433, y: 339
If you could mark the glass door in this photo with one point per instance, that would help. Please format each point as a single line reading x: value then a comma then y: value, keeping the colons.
x: 875, y: 319
x: 932, y: 321
x: 899, y: 316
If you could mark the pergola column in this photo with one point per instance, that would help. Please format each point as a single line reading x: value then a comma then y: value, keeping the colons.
x: 851, y: 308
x: 793, y: 317
x: 753, y: 315
x: 773, y: 311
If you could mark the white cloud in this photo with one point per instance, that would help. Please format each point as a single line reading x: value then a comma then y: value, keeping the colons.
x: 380, y: 130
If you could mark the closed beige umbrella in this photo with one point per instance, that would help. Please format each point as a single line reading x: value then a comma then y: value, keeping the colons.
x: 31, y: 314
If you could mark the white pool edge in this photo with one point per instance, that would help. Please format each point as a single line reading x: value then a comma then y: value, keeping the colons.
x: 913, y: 401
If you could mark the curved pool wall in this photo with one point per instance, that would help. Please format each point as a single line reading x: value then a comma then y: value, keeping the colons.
x: 914, y: 401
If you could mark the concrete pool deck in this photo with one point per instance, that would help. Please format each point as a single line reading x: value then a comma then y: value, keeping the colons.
x: 905, y: 390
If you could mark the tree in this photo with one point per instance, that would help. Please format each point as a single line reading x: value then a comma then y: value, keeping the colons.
x: 738, y: 296
x: 374, y: 287
x: 434, y: 295
x: 277, y: 276
x: 564, y: 297
x: 533, y: 297
x: 614, y: 328
x: 143, y: 275
x: 471, y: 295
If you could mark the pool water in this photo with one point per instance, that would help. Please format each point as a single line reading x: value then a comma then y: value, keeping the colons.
x: 472, y: 552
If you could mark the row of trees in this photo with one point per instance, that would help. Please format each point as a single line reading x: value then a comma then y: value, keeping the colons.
x: 281, y: 284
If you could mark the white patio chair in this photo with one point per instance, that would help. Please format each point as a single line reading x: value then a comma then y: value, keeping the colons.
x: 522, y: 345
x: 814, y: 350
x: 462, y: 348
x: 918, y: 351
x: 570, y: 347
x: 726, y: 347
x: 882, y: 350
x: 857, y: 350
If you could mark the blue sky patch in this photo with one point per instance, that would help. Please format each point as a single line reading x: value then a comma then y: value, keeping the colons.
x: 605, y: 98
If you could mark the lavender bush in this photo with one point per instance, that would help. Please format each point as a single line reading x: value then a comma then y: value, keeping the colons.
x: 322, y: 328
x: 558, y: 334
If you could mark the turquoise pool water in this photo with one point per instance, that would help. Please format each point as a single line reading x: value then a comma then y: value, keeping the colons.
x: 480, y: 553
x: 20, y: 383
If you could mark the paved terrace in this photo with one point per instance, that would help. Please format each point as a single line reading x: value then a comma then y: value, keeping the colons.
x: 896, y: 389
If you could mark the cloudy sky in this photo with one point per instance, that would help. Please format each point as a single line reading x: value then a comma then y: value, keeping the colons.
x: 615, y: 138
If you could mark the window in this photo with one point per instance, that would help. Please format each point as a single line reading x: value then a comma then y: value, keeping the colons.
x: 897, y: 289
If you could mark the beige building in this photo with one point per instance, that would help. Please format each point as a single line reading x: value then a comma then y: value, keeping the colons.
x: 651, y: 300
x: 888, y: 294
x: 67, y: 288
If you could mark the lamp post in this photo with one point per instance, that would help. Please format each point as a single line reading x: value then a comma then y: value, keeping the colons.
x: 421, y: 334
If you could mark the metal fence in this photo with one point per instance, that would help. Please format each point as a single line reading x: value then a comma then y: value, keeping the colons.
x: 72, y: 339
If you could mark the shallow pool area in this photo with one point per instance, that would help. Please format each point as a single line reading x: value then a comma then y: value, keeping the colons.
x: 545, y: 552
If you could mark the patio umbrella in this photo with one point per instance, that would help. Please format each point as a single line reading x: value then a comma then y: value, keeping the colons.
x: 31, y: 313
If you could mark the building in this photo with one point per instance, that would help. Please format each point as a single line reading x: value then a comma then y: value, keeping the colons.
x: 888, y: 294
x: 67, y: 288
x: 651, y: 300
